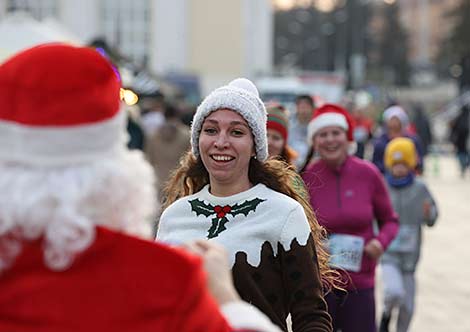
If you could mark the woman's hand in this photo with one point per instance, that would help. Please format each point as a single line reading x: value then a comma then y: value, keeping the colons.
x: 219, y: 275
x: 374, y: 249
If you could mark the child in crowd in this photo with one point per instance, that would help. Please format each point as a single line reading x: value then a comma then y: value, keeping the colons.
x: 415, y: 206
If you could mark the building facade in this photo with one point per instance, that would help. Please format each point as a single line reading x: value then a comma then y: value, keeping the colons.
x: 215, y: 39
x: 427, y: 25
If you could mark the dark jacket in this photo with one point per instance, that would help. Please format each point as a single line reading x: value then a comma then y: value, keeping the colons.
x: 379, y: 150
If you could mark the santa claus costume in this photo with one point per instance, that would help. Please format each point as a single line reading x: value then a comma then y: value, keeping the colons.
x: 71, y: 196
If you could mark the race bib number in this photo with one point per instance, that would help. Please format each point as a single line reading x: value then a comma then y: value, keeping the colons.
x: 406, y: 240
x: 346, y: 251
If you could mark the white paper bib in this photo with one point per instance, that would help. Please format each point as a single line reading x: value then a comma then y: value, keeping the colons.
x: 346, y: 251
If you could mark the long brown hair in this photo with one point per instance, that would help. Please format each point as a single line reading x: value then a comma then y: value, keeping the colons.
x: 288, y: 155
x: 191, y: 176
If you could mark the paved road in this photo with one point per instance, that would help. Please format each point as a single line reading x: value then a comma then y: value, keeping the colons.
x: 443, y: 276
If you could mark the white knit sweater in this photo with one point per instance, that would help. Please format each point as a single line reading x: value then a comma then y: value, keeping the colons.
x: 271, y: 250
x: 261, y: 214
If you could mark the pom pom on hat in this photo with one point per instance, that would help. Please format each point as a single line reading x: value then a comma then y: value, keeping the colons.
x: 277, y: 119
x: 246, y: 85
x: 330, y: 115
x: 400, y: 150
x: 60, y: 105
x: 241, y: 96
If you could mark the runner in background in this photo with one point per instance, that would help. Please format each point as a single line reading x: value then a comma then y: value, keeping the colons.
x: 415, y: 206
x: 278, y: 132
x: 298, y: 124
x: 396, y: 124
x: 422, y: 125
x: 459, y: 136
x: 347, y: 194
x: 364, y: 124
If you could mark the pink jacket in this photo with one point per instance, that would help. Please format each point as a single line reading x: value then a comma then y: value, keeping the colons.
x: 346, y: 201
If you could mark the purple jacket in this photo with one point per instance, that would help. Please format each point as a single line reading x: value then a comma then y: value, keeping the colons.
x: 346, y: 201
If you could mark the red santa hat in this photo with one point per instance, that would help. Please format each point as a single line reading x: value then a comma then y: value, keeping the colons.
x: 60, y: 105
x: 330, y: 115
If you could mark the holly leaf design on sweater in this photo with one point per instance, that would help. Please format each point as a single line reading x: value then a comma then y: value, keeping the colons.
x: 200, y: 207
x: 218, y: 226
x: 246, y: 207
x: 220, y: 219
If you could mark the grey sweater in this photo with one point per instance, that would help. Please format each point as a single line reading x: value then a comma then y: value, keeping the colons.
x: 408, y: 202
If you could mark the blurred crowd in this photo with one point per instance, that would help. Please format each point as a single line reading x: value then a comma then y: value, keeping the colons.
x: 263, y: 216
x: 161, y: 129
x: 395, y: 141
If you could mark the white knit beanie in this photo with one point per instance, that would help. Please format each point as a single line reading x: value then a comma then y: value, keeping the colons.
x: 241, y: 96
x: 398, y: 112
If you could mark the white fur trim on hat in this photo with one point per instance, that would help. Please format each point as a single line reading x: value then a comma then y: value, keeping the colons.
x: 325, y: 120
x: 241, y: 96
x: 62, y: 145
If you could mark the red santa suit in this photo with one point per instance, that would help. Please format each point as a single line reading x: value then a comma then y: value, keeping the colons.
x: 120, y: 283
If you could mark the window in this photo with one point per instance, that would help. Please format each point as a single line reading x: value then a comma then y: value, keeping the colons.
x: 39, y: 9
x: 126, y: 26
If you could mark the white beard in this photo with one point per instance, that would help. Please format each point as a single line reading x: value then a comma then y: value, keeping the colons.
x: 65, y: 204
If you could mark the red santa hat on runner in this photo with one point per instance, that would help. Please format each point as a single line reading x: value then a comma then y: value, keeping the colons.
x: 60, y: 106
x: 330, y: 115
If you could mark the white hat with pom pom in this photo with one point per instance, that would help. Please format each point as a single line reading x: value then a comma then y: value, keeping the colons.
x: 241, y: 96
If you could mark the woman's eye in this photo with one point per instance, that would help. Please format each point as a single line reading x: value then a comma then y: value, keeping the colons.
x: 336, y: 133
x: 210, y: 130
x: 237, y: 132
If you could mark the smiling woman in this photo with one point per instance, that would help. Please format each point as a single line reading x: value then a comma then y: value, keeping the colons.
x: 227, y: 191
x: 348, y: 193
x: 226, y: 146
